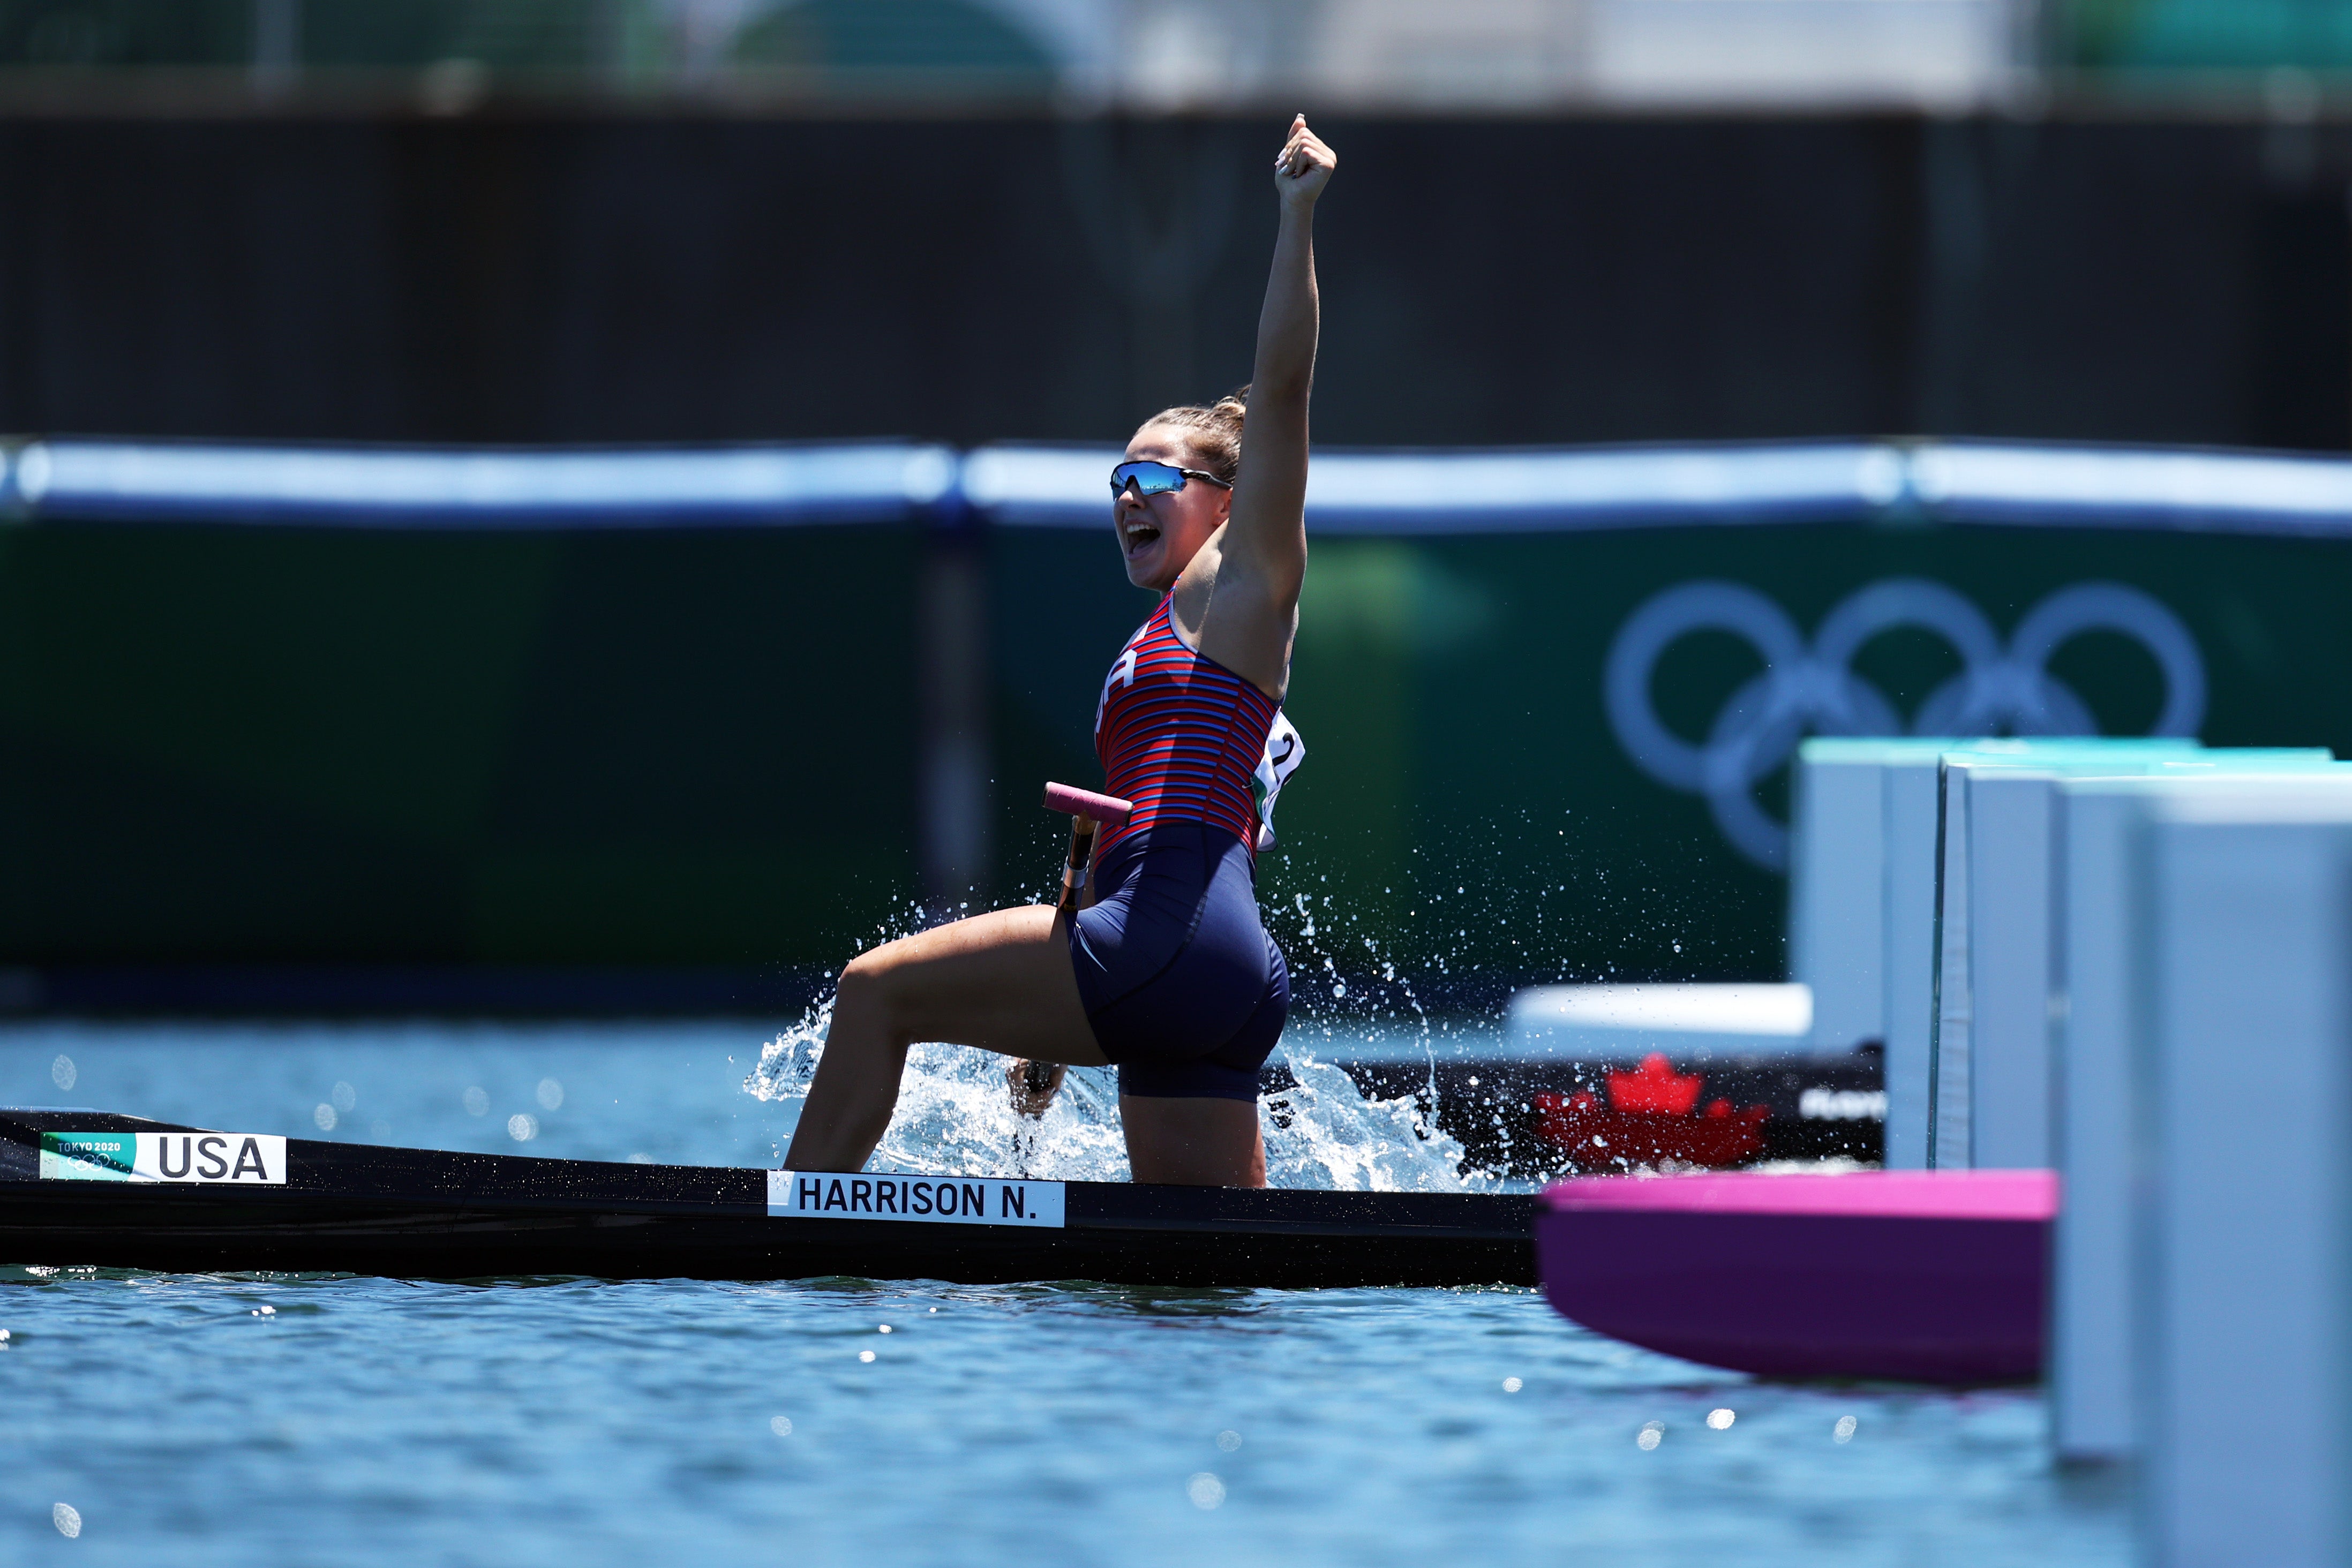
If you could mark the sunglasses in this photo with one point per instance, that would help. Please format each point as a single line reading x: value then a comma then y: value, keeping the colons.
x: 1156, y: 479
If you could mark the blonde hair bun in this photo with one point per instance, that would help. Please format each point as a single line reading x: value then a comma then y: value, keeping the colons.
x: 1215, y: 430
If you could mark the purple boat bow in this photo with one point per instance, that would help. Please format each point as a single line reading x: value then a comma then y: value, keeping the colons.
x: 1915, y: 1276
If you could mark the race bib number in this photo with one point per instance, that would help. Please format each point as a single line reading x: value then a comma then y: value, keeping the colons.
x: 957, y: 1200
x: 200, y: 1159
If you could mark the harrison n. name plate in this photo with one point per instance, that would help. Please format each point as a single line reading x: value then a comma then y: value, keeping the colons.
x: 957, y: 1200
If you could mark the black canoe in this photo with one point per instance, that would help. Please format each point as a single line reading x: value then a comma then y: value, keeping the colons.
x: 183, y: 1199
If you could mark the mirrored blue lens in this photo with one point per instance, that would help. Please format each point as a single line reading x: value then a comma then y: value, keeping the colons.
x: 1151, y: 478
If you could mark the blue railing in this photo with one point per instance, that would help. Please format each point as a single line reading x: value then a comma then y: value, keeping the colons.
x: 1566, y: 489
x: 342, y: 486
x: 1350, y: 492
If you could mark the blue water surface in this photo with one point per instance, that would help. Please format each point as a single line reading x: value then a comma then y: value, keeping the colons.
x: 195, y: 1420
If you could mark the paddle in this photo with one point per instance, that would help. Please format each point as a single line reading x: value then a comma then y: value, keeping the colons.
x: 1033, y: 1082
x: 1088, y: 810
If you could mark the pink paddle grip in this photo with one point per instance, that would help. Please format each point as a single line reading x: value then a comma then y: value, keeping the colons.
x: 1086, y: 803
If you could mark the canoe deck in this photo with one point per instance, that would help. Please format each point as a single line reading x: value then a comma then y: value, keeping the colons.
x: 431, y: 1214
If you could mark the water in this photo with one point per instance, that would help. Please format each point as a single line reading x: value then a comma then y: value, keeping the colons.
x: 953, y: 1116
x: 197, y: 1420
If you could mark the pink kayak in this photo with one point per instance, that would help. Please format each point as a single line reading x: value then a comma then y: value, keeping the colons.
x: 1920, y: 1276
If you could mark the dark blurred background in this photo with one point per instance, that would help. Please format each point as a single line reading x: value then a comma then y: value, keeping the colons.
x: 291, y: 753
x: 569, y: 275
x: 621, y: 220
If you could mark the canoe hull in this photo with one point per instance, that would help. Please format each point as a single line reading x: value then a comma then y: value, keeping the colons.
x: 429, y: 1214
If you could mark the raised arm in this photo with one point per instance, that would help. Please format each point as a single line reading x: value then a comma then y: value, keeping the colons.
x: 1267, y: 534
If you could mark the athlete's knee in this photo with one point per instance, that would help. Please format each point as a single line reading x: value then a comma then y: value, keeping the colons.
x: 864, y: 981
x: 869, y: 992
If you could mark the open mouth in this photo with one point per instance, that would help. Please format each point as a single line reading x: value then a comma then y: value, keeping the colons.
x: 1138, y: 536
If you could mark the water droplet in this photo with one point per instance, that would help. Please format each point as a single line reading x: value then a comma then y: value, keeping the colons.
x: 550, y: 1093
x: 781, y: 1426
x: 478, y: 1103
x: 323, y: 1118
x: 1843, y: 1431
x: 1205, y: 1490
x: 343, y: 1097
x: 1229, y: 1439
x: 523, y: 1128
x: 65, y: 1515
x: 866, y: 1355
x: 1652, y: 1434
x: 1512, y: 1386
x: 62, y: 1072
x: 1720, y: 1419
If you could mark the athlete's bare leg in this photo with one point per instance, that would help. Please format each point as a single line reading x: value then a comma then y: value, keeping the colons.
x: 1002, y: 981
x: 1195, y: 1142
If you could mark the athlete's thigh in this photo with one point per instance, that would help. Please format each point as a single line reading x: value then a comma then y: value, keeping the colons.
x: 1002, y: 981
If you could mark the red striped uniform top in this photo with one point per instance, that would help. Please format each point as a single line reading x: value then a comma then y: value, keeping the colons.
x: 1179, y: 735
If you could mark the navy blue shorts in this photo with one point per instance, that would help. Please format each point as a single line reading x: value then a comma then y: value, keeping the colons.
x: 1185, y: 990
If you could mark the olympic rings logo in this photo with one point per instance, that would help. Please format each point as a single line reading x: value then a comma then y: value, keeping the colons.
x: 1813, y: 690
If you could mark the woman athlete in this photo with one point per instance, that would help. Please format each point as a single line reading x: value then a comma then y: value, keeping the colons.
x: 1166, y: 971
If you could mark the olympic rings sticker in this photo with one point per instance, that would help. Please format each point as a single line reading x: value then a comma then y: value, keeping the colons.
x: 1811, y: 688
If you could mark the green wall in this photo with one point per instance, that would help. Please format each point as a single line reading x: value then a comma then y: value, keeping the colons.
x: 260, y: 745
x: 700, y: 747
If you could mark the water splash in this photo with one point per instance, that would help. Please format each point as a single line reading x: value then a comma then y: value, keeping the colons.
x: 955, y: 1114
x: 1323, y: 1131
x: 955, y: 1117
